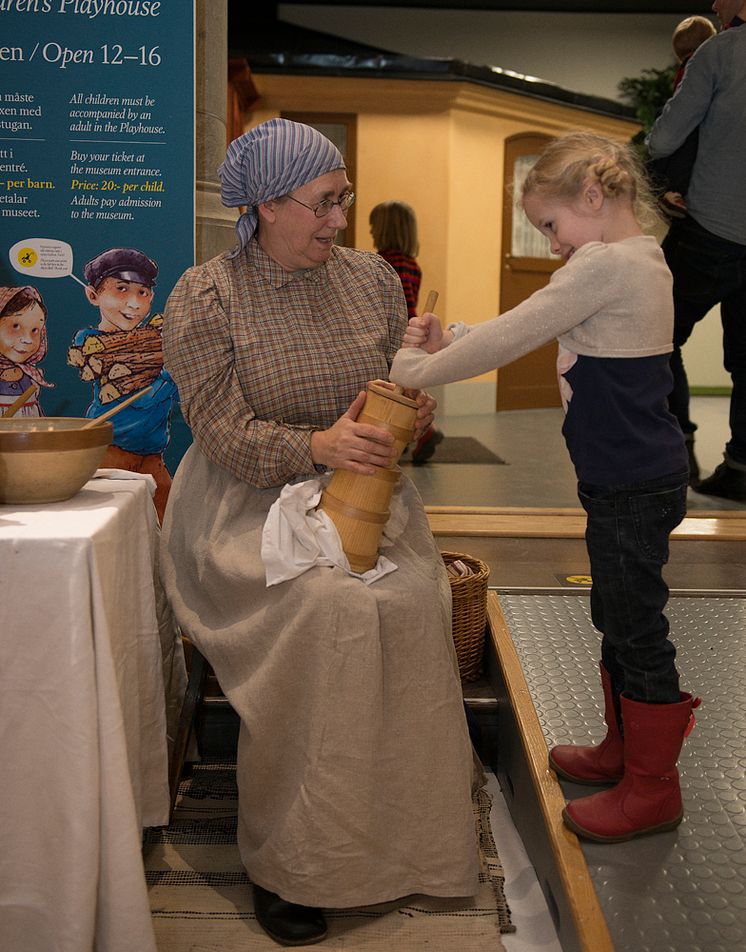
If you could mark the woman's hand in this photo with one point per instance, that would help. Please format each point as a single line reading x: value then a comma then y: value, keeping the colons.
x: 426, y: 406
x: 424, y: 331
x: 425, y: 413
x: 347, y: 444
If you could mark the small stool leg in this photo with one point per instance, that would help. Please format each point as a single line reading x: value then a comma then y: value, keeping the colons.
x: 192, y: 698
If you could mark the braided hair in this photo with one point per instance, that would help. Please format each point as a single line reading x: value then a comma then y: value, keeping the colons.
x: 571, y: 162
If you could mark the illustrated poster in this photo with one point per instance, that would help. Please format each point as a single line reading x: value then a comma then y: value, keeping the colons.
x: 96, y: 208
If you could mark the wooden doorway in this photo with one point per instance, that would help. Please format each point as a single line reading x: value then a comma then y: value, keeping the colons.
x: 531, y: 381
x: 341, y: 128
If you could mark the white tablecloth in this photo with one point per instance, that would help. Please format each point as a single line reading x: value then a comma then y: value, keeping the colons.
x: 82, y: 719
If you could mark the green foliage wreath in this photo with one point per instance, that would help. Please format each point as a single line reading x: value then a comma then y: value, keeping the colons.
x: 647, y: 94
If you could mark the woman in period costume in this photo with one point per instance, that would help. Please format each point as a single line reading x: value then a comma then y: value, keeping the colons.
x: 354, y: 763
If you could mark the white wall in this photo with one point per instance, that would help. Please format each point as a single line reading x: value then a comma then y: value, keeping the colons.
x: 584, y: 52
x: 587, y: 53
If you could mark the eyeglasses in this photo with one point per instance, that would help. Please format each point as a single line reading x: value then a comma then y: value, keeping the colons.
x: 327, y: 206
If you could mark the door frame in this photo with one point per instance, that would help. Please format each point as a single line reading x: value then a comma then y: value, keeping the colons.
x: 529, y: 382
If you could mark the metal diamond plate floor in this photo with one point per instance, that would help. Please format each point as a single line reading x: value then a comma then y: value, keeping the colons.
x: 684, y: 890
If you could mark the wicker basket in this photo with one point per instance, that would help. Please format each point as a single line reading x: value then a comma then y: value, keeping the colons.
x: 469, y: 614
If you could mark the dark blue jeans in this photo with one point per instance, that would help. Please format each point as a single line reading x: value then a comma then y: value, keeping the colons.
x: 627, y: 539
x: 708, y: 270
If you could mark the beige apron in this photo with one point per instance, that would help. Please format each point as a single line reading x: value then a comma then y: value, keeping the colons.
x: 354, y: 765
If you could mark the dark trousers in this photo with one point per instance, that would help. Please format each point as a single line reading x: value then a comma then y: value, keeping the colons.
x: 708, y: 270
x: 627, y: 539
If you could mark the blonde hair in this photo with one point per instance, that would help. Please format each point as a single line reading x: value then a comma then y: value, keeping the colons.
x: 394, y: 228
x: 691, y: 34
x: 574, y: 160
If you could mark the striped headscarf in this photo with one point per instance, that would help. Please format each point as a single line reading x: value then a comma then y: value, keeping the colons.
x: 269, y: 161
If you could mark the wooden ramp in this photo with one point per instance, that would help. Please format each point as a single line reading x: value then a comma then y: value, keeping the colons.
x: 536, y: 799
x: 721, y: 526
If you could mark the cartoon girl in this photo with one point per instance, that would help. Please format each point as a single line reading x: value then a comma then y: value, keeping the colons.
x: 23, y: 344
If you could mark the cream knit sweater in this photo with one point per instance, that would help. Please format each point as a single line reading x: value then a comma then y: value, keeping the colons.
x: 609, y: 300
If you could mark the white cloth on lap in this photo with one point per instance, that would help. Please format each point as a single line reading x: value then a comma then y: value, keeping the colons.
x: 297, y: 536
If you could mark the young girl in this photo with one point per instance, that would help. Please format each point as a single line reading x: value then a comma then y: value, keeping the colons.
x: 393, y: 227
x: 23, y: 344
x: 611, y: 309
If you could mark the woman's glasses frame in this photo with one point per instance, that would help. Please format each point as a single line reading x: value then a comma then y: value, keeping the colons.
x: 322, y: 209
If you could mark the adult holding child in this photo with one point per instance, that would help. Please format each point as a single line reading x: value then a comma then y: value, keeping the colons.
x: 706, y: 250
x: 588, y: 194
x: 353, y: 744
x: 671, y: 175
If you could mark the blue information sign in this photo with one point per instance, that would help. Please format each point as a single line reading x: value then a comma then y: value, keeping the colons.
x: 96, y: 207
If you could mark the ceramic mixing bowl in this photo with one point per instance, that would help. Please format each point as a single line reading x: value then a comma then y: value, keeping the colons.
x: 48, y: 459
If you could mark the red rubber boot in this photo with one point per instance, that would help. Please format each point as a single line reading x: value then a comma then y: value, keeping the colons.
x: 648, y: 799
x: 603, y: 763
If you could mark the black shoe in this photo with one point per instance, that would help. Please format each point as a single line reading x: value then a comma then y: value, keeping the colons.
x: 287, y: 922
x: 426, y: 446
x: 726, y: 482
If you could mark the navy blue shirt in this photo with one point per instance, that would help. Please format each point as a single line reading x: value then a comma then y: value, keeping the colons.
x: 618, y: 427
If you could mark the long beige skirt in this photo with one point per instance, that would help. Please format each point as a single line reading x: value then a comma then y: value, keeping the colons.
x: 354, y: 765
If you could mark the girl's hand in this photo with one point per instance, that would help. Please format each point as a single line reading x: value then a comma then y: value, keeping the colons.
x: 424, y: 331
x: 347, y: 444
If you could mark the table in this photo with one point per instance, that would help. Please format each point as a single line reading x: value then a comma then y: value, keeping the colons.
x: 83, y: 717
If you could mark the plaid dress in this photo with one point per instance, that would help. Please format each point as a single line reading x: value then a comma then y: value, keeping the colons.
x: 355, y: 767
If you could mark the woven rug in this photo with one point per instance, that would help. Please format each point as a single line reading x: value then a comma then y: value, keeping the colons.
x: 461, y: 449
x: 200, y: 895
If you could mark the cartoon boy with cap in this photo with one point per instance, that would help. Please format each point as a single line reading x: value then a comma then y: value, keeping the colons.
x: 123, y: 355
